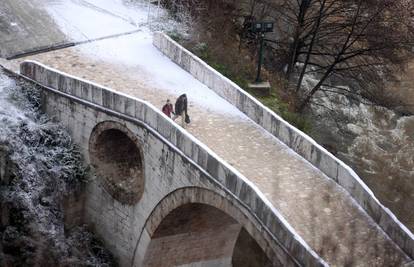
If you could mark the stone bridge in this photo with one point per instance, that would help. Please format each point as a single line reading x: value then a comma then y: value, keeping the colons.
x: 160, y: 197
x: 245, y: 189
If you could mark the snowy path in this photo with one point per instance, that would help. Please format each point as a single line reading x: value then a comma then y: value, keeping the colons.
x: 320, y: 211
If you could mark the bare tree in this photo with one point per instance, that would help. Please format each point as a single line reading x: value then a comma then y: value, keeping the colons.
x: 350, y: 47
x: 362, y: 43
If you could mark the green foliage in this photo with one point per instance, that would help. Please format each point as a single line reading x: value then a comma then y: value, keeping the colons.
x: 201, y: 50
x: 176, y: 36
x: 298, y: 120
x: 275, y: 104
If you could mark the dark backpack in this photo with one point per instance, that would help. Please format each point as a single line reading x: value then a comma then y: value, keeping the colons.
x: 181, y: 105
x: 178, y: 107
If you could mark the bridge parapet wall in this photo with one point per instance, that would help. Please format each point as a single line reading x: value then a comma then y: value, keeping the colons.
x: 292, y: 137
x: 224, y: 175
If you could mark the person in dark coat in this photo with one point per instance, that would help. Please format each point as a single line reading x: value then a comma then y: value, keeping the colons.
x: 167, y: 109
x: 181, y: 109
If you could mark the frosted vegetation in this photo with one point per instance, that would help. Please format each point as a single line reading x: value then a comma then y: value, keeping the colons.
x: 41, y: 167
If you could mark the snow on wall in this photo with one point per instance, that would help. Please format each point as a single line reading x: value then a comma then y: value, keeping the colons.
x: 294, y: 138
x: 246, y: 193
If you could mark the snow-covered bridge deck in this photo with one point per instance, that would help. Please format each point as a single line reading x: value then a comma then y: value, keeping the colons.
x: 322, y: 212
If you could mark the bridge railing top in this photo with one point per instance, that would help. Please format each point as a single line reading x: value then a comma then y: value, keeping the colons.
x: 198, y: 153
x: 301, y: 143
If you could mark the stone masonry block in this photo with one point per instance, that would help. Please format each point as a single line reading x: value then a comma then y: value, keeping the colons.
x: 231, y: 182
x: 40, y: 75
x: 329, y: 166
x: 302, y: 146
x: 179, y: 139
x: 186, y: 146
x: 163, y: 126
x: 52, y: 80
x: 176, y: 52
x: 212, y: 166
x: 26, y: 69
x: 67, y: 85
x: 227, y: 92
x: 62, y: 85
x: 76, y: 88
x: 241, y: 103
x: 202, y: 158
x: 246, y: 194
x: 186, y: 61
x: 315, y: 155
x: 208, y: 77
x: 194, y: 151
x: 151, y: 118
x: 266, y: 215
x: 267, y: 121
x: 258, y: 118
x: 373, y: 208
x: 173, y: 134
x: 140, y: 111
x: 218, y: 84
x: 119, y: 103
x: 346, y: 180
x: 130, y: 107
x: 222, y: 173
x: 195, y: 69
x: 249, y: 109
x: 259, y: 207
x: 279, y: 230
x: 107, y: 99
x: 96, y: 95
x: 396, y: 233
x: 86, y: 92
x: 285, y: 134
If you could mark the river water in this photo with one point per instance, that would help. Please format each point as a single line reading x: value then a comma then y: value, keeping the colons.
x: 377, y: 143
x: 39, y: 167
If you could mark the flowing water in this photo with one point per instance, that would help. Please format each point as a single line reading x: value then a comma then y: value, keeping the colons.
x: 377, y: 143
x: 39, y: 167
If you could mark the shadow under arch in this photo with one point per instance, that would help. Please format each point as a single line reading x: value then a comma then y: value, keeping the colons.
x: 116, y: 155
x: 194, y: 225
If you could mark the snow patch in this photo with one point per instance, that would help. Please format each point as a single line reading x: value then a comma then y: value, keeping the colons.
x: 136, y: 50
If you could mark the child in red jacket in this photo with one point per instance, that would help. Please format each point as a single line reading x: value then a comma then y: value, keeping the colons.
x: 167, y: 109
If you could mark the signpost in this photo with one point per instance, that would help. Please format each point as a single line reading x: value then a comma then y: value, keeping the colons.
x: 261, y: 28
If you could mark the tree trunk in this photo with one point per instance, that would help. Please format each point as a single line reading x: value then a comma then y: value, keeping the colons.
x: 306, y: 101
x: 297, y: 43
x: 308, y: 55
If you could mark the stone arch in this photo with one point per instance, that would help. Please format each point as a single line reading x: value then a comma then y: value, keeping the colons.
x: 183, y: 210
x: 116, y: 155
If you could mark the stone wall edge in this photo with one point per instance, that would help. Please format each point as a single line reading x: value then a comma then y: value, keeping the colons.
x: 330, y: 164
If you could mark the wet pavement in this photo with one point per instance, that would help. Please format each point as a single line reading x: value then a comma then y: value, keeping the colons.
x: 30, y: 26
x: 322, y: 213
x: 24, y: 26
